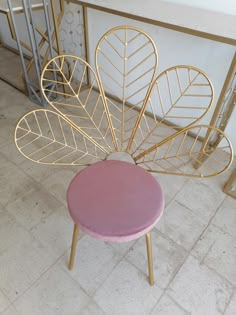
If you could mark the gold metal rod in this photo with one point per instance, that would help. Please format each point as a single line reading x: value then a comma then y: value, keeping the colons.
x: 86, y: 40
x: 229, y: 187
x: 55, y: 20
x: 73, y: 246
x: 149, y: 256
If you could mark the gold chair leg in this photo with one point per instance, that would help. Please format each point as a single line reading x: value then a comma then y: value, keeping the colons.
x: 149, y: 256
x: 73, y: 246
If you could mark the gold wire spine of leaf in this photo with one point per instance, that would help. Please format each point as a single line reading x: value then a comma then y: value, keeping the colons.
x: 126, y: 58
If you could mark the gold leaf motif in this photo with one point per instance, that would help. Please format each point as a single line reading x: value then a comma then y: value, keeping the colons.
x: 180, y: 152
x: 46, y: 137
x: 124, y: 109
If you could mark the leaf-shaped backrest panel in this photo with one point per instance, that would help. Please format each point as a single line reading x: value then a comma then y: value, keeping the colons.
x: 184, y: 150
x: 126, y: 61
x: 179, y: 97
x: 46, y: 137
x: 64, y: 84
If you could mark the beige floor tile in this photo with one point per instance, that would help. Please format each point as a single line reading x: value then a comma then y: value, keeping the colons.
x: 4, y: 302
x: 11, y: 153
x: 21, y: 264
x: 10, y: 95
x: 5, y: 164
x: 181, y: 225
x: 10, y: 231
x: 55, y: 293
x: 11, y: 114
x: 92, y: 309
x: 206, y: 241
x: 39, y: 171
x: 231, y: 309
x: 14, y: 183
x: 200, y: 290
x: 55, y: 232
x: 123, y: 248
x: 14, y: 104
x: 32, y: 208
x: 222, y: 257
x: 225, y: 218
x: 127, y: 291
x: 58, y: 183
x: 6, y: 132
x: 167, y: 306
x: 167, y: 258
x: 201, y: 198
x: 219, y: 181
x: 171, y: 185
x: 11, y: 311
x: 217, y: 250
x: 94, y: 261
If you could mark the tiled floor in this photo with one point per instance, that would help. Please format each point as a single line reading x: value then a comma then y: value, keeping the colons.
x: 194, y: 244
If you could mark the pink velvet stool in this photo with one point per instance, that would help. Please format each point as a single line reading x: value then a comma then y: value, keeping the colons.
x: 115, y: 201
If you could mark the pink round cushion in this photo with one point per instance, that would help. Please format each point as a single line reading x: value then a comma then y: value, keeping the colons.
x: 115, y: 200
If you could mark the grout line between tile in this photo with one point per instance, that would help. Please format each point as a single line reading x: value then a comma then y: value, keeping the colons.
x: 227, y: 304
x: 189, y: 254
x: 32, y: 284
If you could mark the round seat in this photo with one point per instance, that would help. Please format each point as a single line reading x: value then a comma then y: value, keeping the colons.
x: 115, y: 201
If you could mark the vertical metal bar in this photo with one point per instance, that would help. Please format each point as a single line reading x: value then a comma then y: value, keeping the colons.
x: 216, y: 113
x: 73, y: 247
x: 19, y: 46
x: 34, y: 52
x: 54, y: 15
x: 149, y: 256
x: 223, y: 91
x: 86, y: 40
x: 34, y: 35
x: 49, y: 29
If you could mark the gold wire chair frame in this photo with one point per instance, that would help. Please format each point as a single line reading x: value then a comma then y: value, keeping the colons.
x: 104, y: 152
x: 70, y: 150
x: 74, y: 145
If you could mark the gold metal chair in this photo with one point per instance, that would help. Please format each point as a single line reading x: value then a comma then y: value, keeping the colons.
x: 126, y: 110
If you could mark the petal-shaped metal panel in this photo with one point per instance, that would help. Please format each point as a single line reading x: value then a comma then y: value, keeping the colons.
x: 179, y: 153
x: 46, y: 137
x: 64, y: 84
x: 126, y: 62
x: 179, y: 97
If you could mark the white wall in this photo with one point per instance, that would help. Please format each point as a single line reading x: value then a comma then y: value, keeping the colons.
x: 226, y: 6
x: 175, y: 48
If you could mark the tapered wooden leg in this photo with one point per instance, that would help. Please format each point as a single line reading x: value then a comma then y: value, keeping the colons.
x: 149, y: 256
x: 73, y: 246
